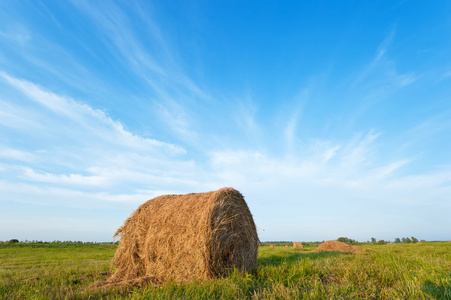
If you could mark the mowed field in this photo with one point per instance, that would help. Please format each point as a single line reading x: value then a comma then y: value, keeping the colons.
x: 399, y: 271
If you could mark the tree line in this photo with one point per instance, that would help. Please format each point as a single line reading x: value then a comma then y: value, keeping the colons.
x: 404, y: 240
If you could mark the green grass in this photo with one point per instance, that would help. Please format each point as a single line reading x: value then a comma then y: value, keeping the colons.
x: 401, y: 271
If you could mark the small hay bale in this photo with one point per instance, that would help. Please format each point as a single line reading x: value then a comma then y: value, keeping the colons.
x: 336, y: 246
x: 298, y: 245
x: 271, y: 246
x: 187, y: 237
x: 286, y: 246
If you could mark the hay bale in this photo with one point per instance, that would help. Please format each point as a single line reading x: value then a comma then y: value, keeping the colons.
x: 286, y: 246
x: 336, y: 246
x: 186, y: 237
x: 271, y: 246
x: 298, y: 245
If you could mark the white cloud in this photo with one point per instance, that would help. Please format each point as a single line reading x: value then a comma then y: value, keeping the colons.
x: 14, y: 154
x: 245, y: 117
x: 12, y: 116
x: 290, y: 130
x: 330, y: 153
x: 50, y: 196
x: 17, y: 33
x: 175, y: 117
x: 74, y: 179
x: 404, y: 80
x: 97, y: 124
x: 383, y: 47
x: 353, y: 169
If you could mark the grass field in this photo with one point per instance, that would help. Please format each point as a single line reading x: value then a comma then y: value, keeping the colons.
x: 400, y: 271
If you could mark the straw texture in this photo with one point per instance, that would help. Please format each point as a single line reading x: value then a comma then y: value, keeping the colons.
x: 185, y: 237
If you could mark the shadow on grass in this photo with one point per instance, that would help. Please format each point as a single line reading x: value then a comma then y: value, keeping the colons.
x: 291, y: 257
x: 437, y: 291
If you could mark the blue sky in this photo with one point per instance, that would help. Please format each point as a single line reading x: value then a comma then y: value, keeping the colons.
x: 333, y: 119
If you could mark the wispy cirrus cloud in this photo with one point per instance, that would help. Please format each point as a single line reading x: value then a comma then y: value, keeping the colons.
x: 121, y: 155
x: 17, y: 33
x: 92, y: 152
x: 14, y: 154
x: 383, y: 47
x: 74, y: 179
x: 381, y: 71
x: 25, y: 49
x: 353, y: 161
x: 93, y: 122
x: 341, y: 182
x: 153, y: 61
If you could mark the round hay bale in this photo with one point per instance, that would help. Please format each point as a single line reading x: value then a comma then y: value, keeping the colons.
x: 298, y: 245
x: 286, y: 246
x: 186, y: 237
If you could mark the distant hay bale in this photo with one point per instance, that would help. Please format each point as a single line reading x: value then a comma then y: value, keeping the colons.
x: 336, y: 246
x: 298, y: 245
x: 389, y: 243
x: 271, y: 246
x: 186, y: 237
x: 286, y: 246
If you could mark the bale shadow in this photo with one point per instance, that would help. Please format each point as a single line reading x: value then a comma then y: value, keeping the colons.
x: 292, y: 257
x: 436, y: 291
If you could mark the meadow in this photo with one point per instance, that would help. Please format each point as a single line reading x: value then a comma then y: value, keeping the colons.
x: 398, y: 271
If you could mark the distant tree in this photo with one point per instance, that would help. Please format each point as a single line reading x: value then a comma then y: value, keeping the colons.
x: 414, y: 240
x: 423, y: 241
x: 373, y: 240
x: 343, y: 239
x: 346, y: 240
x: 382, y: 242
x: 14, y: 241
x: 397, y: 241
